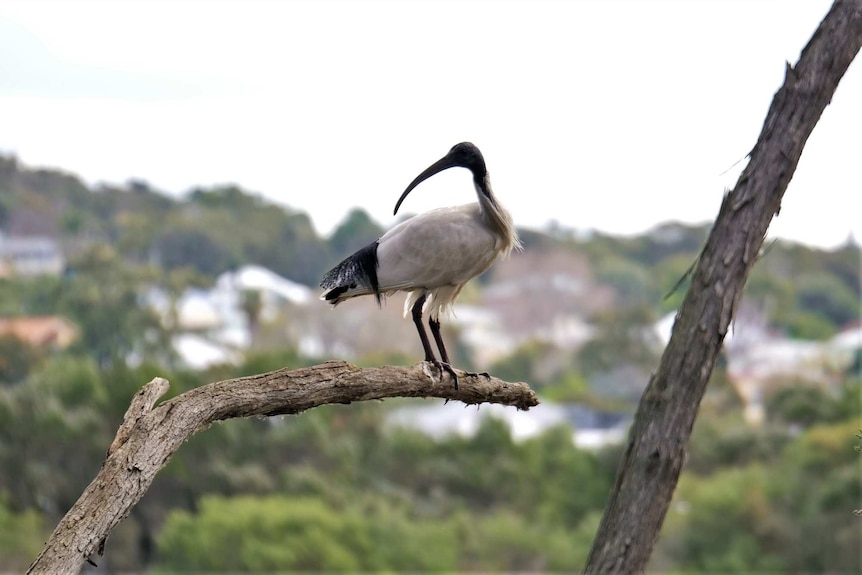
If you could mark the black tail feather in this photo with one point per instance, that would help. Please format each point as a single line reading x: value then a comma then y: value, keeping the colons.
x: 358, y: 269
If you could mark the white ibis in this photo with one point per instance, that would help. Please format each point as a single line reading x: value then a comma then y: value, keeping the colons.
x: 431, y: 256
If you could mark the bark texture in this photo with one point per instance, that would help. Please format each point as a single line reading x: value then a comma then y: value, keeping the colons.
x: 655, y: 452
x: 148, y: 437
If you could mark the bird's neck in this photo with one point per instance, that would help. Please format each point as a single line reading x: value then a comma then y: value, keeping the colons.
x: 497, y: 218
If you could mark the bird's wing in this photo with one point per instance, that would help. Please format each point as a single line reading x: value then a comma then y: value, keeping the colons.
x: 442, y: 247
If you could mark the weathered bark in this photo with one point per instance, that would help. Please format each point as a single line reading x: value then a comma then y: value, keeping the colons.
x: 148, y: 437
x: 655, y: 452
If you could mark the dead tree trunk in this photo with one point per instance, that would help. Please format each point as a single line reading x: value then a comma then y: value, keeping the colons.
x: 655, y: 452
x: 149, y: 437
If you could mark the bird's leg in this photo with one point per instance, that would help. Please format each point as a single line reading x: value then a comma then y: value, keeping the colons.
x: 438, y: 337
x: 429, y: 353
x: 417, y: 319
x: 435, y: 331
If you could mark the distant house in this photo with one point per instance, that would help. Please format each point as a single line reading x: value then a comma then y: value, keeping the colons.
x: 543, y: 295
x: 211, y: 324
x: 40, y: 332
x: 760, y: 360
x: 30, y: 256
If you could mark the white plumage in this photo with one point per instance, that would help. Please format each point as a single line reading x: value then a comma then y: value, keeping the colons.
x: 431, y: 256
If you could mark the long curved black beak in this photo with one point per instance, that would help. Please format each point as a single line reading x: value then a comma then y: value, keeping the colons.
x: 444, y: 163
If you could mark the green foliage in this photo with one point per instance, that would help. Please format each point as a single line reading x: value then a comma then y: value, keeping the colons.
x: 844, y: 263
x: 828, y: 296
x: 823, y: 446
x: 280, y: 533
x: 790, y: 509
x: 631, y: 280
x: 624, y: 337
x: 745, y: 538
x: 102, y: 297
x: 56, y: 408
x: 506, y: 542
x: 721, y: 443
x: 404, y: 541
x: 196, y: 249
x: 806, y: 325
x: 490, y: 471
x: 819, y: 490
x: 17, y: 358
x: 456, y: 504
x: 21, y: 537
x: 29, y: 296
x: 666, y: 241
x: 356, y: 231
x: 4, y: 212
x: 274, y: 237
x: 804, y: 404
x: 73, y: 381
x: 264, y: 534
x: 520, y: 365
x: 810, y: 293
x: 572, y: 387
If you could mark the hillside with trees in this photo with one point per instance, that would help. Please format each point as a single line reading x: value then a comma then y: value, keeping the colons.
x: 340, y: 488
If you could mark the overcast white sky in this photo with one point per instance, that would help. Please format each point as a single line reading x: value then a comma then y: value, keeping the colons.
x: 609, y: 115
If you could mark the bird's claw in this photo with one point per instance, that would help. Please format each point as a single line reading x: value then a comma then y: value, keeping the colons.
x: 443, y: 366
x: 451, y: 371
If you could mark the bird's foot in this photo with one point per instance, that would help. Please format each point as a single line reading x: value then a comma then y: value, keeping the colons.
x: 443, y: 366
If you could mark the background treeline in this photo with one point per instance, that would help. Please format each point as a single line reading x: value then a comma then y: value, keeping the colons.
x: 809, y: 292
x: 338, y: 489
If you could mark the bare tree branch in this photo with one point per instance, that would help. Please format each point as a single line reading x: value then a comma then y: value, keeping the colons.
x: 655, y: 452
x: 148, y: 436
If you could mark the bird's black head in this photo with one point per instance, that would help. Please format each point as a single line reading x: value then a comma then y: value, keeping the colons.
x: 463, y: 155
x: 466, y: 155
